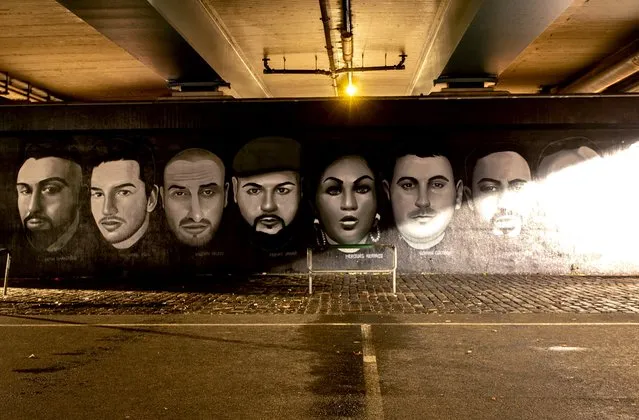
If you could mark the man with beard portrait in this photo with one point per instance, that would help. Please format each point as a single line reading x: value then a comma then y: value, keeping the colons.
x: 48, y: 187
x: 124, y: 195
x: 499, y: 196
x: 497, y: 177
x: 194, y: 195
x: 267, y: 190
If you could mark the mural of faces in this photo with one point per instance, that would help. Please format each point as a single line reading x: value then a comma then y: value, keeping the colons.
x: 423, y: 197
x: 563, y: 159
x: 567, y: 179
x: 496, y: 192
x: 346, y: 200
x: 269, y: 201
x: 119, y: 202
x: 48, y: 201
x: 194, y: 195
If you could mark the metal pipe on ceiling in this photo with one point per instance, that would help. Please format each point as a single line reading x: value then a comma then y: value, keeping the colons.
x: 329, y: 43
x: 627, y: 85
x: 398, y: 66
x: 347, y: 38
x: 347, y: 51
x: 607, y: 72
x: 269, y: 70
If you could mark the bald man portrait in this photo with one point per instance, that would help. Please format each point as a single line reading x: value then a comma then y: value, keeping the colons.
x: 48, y: 187
x: 194, y: 195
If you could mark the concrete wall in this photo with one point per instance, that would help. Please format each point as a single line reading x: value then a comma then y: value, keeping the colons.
x: 494, y: 185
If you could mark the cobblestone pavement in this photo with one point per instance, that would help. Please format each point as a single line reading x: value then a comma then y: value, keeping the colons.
x: 344, y: 294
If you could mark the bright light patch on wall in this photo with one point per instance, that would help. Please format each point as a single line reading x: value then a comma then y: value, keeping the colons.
x: 583, y: 211
x: 591, y: 208
x: 351, y: 89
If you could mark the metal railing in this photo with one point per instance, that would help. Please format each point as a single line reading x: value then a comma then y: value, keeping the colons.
x: 6, y: 269
x: 311, y: 270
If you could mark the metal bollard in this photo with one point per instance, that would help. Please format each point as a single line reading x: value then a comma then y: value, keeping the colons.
x: 6, y: 274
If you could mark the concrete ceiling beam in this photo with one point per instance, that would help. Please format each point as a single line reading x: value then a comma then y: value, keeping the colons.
x: 203, y: 29
x: 498, y: 33
x: 136, y: 27
x: 449, y: 25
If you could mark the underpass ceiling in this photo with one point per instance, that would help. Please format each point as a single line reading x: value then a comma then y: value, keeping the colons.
x: 46, y: 44
x: 586, y: 33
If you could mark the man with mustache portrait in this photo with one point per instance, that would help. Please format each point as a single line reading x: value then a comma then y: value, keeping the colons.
x: 424, y: 194
x: 267, y: 190
x: 194, y: 196
x: 48, y: 186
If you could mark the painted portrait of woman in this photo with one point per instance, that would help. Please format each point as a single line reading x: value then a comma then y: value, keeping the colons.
x: 346, y: 203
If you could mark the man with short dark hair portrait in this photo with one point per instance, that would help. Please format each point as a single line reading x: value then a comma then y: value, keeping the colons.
x: 496, y: 192
x: 194, y: 195
x: 424, y: 196
x: 123, y: 193
x: 48, y: 186
x: 504, y: 235
x: 267, y: 188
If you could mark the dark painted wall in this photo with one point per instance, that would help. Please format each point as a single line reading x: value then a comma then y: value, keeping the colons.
x: 75, y: 202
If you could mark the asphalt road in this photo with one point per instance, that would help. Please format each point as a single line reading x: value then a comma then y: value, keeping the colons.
x: 275, y: 367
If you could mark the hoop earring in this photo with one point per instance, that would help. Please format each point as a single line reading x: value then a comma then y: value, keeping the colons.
x: 320, y: 236
x: 376, y: 234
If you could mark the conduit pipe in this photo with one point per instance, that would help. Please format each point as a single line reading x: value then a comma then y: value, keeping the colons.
x: 347, y: 38
x: 329, y: 43
x: 609, y: 71
x: 627, y: 85
x: 347, y: 51
x: 268, y: 70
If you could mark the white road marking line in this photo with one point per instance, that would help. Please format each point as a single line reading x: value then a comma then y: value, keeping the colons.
x: 565, y: 348
x: 70, y: 324
x: 374, y: 407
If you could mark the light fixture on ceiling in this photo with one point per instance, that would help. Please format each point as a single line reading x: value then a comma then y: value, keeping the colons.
x: 351, y: 89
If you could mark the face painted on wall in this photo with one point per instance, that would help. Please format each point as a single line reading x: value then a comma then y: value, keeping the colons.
x: 48, y: 200
x: 119, y: 202
x: 269, y: 201
x: 498, y: 198
x: 423, y: 196
x: 346, y: 200
x: 563, y: 159
x: 194, y: 195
